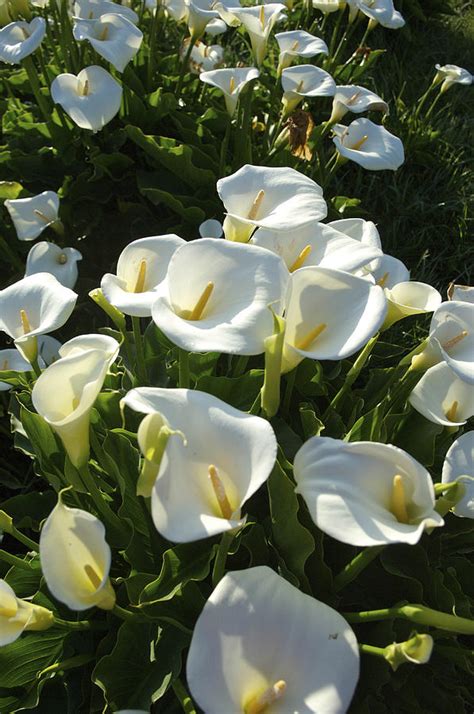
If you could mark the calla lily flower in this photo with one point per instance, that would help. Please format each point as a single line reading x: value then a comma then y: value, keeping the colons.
x: 211, y: 229
x: 364, y: 493
x: 205, y: 478
x: 442, y: 397
x: 451, y: 340
x: 152, y: 436
x: 17, y: 615
x: 459, y: 462
x: 356, y: 99
x: 279, y: 199
x: 269, y: 647
x: 259, y: 22
x: 141, y: 269
x: 231, y: 82
x: 34, y: 306
x: 450, y: 74
x: 198, y: 14
x: 176, y: 8
x: 305, y: 80
x: 94, y: 9
x: 361, y: 230
x: 330, y: 315
x: 91, y: 99
x: 317, y: 244
x: 369, y: 145
x: 416, y: 650
x: 12, y: 359
x: 216, y: 27
x: 47, y: 257
x: 20, y: 39
x: 328, y: 6
x: 32, y: 215
x: 113, y: 37
x: 298, y: 43
x: 216, y: 297
x: 204, y: 58
x: 389, y: 272
x: 461, y: 293
x: 75, y: 558
x: 382, y: 12
x: 64, y: 395
x: 83, y: 343
x: 409, y: 298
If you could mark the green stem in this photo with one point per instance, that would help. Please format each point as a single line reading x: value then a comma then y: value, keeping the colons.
x: 152, y: 49
x: 224, y: 147
x: 371, y: 650
x: 77, y: 661
x: 221, y: 557
x: 450, y: 498
x: 184, y: 375
x: 356, y: 566
x: 183, y: 696
x: 80, y: 624
x: 423, y: 99
x: 138, y: 339
x: 103, y: 509
x: 184, y: 64
x: 22, y: 538
x: 419, y: 614
x: 32, y: 73
x: 433, y: 104
x: 353, y: 373
x: 36, y: 367
x: 124, y: 614
x: 13, y: 560
x: 290, y: 383
x: 240, y: 366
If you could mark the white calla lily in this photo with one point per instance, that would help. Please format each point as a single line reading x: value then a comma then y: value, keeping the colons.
x: 47, y: 257
x: 12, y: 360
x: 382, y: 12
x: 198, y: 14
x: 34, y: 306
x: 64, y: 395
x: 459, y: 463
x: 216, y: 297
x: 20, y: 39
x: 75, y: 558
x: 204, y: 58
x: 365, y: 493
x: 258, y: 21
x: 279, y: 199
x: 389, y: 271
x: 442, y: 397
x: 330, y: 315
x: 369, y: 145
x: 359, y: 229
x: 207, y: 476
x: 231, y: 82
x: 450, y: 74
x: 216, y: 27
x: 328, y: 6
x: 94, y: 9
x: 317, y: 244
x: 451, y: 339
x: 32, y: 215
x: 141, y: 268
x: 303, y: 81
x: 298, y: 43
x: 83, y: 343
x: 266, y: 646
x: 91, y: 99
x: 17, y: 615
x: 410, y: 298
x: 113, y: 37
x: 461, y: 293
x: 355, y: 99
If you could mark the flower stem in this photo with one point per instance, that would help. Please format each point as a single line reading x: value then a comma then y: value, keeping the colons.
x: 184, y: 64
x: 13, y: 560
x: 70, y: 663
x: 419, y: 614
x: 290, y: 383
x: 80, y: 625
x: 224, y: 146
x: 184, y: 377
x: 123, y: 614
x: 433, y: 104
x: 103, y: 509
x: 30, y: 69
x: 221, y: 557
x: 36, y: 367
x: 353, y: 373
x: 371, y: 650
x: 356, y: 566
x: 138, y: 339
x: 183, y: 696
x: 22, y: 538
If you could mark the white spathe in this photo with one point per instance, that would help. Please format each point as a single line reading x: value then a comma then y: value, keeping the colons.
x: 442, y: 397
x: 389, y: 272
x: 259, y: 21
x: 241, y: 448
x: 355, y: 99
x: 83, y: 343
x: 198, y: 14
x: 382, y: 12
x: 17, y: 615
x: 20, y: 39
x: 32, y: 215
x: 114, y: 37
x: 75, y: 558
x: 459, y: 462
x: 204, y: 58
x: 305, y: 80
x: 47, y: 257
x: 365, y: 493
x: 64, y: 395
x: 34, y: 306
x: 369, y: 145
x: 330, y: 314
x: 461, y: 293
x: 142, y: 266
x: 256, y: 632
x: 216, y: 297
x: 231, y: 82
x: 93, y: 9
x: 450, y: 74
x: 279, y: 199
x: 298, y: 43
x: 317, y: 244
x: 91, y: 99
x: 328, y: 6
x: 361, y: 230
x: 410, y: 298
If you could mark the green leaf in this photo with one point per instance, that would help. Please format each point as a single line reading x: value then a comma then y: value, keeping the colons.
x: 31, y: 653
x: 10, y: 190
x: 369, y: 427
x: 239, y: 392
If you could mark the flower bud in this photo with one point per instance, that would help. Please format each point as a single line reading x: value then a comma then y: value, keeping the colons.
x: 416, y: 650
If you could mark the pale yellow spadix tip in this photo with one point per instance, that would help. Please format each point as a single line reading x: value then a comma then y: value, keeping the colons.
x: 25, y: 323
x: 398, y: 504
x: 451, y: 413
x: 294, y: 45
x: 5, y: 365
x: 262, y: 16
x: 198, y: 309
x: 219, y: 491
x: 255, y: 207
x: 383, y: 280
x: 141, y: 277
x: 310, y: 337
x: 231, y: 85
x: 84, y: 88
x: 300, y: 259
x: 42, y: 216
x: 261, y: 703
x: 94, y: 578
x: 359, y: 143
x: 299, y: 86
x: 105, y: 33
x: 62, y: 259
x: 454, y: 340
x: 353, y: 98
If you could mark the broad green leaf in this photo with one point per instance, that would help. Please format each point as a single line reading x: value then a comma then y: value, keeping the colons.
x: 21, y: 661
x: 239, y: 392
x: 10, y: 189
